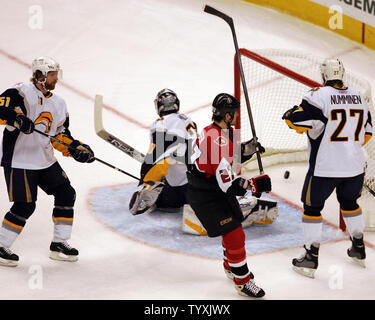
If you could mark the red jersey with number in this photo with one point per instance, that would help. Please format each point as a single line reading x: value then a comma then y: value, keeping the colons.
x: 214, y: 153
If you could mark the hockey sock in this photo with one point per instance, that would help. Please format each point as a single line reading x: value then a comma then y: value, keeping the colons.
x: 312, y: 228
x: 63, y: 212
x: 14, y: 222
x: 235, y: 252
x: 225, y: 260
x: 354, y: 221
x: 11, y: 228
x: 63, y: 222
x: 7, y: 237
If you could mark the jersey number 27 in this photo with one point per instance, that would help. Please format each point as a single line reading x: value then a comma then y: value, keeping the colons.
x: 335, y: 113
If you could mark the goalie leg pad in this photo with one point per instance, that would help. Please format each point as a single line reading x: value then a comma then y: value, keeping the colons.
x: 144, y: 199
x: 258, y: 211
x: 191, y: 223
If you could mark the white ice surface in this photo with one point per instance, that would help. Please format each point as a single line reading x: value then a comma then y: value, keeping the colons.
x: 127, y: 51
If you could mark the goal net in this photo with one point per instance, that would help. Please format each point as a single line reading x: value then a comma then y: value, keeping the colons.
x: 276, y: 81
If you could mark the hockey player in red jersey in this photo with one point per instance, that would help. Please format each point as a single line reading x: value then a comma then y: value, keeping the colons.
x: 29, y: 162
x: 213, y: 186
x: 337, y: 122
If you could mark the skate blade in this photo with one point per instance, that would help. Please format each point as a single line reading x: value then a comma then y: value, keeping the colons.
x: 307, y: 272
x: 251, y: 297
x: 360, y: 262
x: 8, y: 263
x: 62, y: 257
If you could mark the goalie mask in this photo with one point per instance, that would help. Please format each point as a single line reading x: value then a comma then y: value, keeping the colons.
x: 166, y: 101
x: 332, y: 69
x: 224, y: 103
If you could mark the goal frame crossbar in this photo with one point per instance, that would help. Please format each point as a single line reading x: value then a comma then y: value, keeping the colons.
x: 271, y: 65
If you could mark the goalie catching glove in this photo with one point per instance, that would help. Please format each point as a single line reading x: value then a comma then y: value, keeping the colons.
x: 81, y: 152
x: 144, y: 199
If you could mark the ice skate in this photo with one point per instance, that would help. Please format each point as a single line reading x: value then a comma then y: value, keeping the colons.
x: 230, y: 275
x: 63, y: 251
x: 8, y: 258
x: 308, y: 262
x: 357, y: 251
x: 250, y: 289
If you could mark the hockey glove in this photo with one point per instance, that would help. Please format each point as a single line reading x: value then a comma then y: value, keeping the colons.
x: 144, y: 199
x: 248, y: 148
x: 24, y: 124
x: 259, y: 184
x: 288, y: 113
x: 81, y: 152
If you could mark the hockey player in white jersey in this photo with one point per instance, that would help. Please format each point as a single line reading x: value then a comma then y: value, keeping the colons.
x: 29, y: 162
x: 163, y: 172
x: 338, y: 123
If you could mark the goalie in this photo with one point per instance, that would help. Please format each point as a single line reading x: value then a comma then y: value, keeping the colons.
x: 163, y: 172
x: 163, y: 182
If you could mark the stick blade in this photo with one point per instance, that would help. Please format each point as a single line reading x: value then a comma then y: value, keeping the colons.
x: 215, y: 12
x: 209, y: 9
x: 98, y: 120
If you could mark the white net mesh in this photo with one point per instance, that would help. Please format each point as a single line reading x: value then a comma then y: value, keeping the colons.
x: 272, y: 93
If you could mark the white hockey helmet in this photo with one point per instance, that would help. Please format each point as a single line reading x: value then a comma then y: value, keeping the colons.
x: 45, y: 65
x: 332, y: 69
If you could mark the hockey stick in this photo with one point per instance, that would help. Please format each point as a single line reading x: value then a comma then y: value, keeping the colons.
x: 372, y: 192
x: 229, y: 20
x: 102, y: 133
x: 99, y: 160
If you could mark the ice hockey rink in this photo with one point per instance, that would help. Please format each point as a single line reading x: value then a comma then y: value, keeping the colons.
x: 127, y: 51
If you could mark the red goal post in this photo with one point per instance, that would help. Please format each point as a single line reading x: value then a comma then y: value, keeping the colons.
x: 276, y: 81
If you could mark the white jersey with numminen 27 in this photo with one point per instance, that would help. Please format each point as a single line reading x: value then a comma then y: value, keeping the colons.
x: 339, y: 124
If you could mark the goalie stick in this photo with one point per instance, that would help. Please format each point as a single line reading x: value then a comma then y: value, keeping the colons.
x: 229, y: 20
x: 102, y: 133
x: 99, y: 160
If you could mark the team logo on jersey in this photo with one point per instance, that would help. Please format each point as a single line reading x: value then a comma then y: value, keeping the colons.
x: 221, y: 141
x: 45, y: 118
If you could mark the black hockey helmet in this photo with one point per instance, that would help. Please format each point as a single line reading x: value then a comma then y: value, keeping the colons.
x: 224, y: 103
x: 166, y: 101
